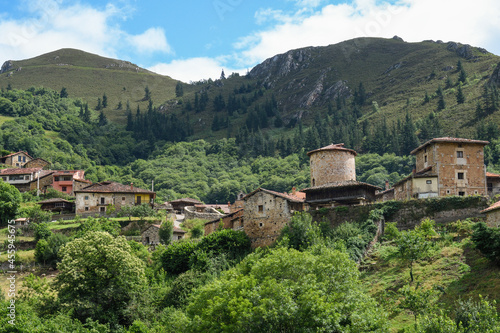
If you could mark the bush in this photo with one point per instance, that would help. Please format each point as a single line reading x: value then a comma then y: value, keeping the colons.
x: 301, y: 232
x: 487, y: 240
x: 175, y: 258
x: 391, y: 232
x: 426, y: 228
x: 46, y: 250
x: 182, y: 288
x: 41, y: 230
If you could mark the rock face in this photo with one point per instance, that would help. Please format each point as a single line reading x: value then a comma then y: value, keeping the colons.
x: 495, y: 77
x: 7, y: 66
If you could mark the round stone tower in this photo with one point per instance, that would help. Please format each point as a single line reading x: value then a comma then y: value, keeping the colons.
x: 331, y: 164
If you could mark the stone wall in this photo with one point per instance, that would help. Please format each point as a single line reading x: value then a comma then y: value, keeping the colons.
x: 332, y: 166
x: 409, y: 214
x: 264, y: 216
x: 209, y: 213
x: 493, y: 218
x: 93, y: 201
x: 230, y: 221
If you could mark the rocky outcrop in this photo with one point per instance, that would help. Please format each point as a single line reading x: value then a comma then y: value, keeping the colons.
x: 464, y: 51
x: 7, y: 66
x: 281, y: 65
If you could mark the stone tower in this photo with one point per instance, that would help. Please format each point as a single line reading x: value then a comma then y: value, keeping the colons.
x: 332, y: 163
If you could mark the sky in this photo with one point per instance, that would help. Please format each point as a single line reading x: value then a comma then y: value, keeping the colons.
x: 193, y: 40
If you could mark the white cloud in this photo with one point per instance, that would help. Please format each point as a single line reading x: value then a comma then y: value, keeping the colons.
x: 152, y: 40
x: 52, y: 26
x: 413, y: 20
x: 195, y: 69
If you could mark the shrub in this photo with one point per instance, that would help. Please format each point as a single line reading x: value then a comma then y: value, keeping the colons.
x: 302, y: 232
x: 391, y: 232
x: 182, y: 288
x: 426, y: 228
x: 41, y: 230
x: 487, y: 240
x: 175, y: 258
x: 46, y: 250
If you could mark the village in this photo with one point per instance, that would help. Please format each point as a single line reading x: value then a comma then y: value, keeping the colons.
x: 444, y: 167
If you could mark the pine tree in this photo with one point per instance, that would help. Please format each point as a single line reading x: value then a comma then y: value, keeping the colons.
x: 99, y: 104
x: 63, y: 93
x: 459, y: 66
x: 81, y: 112
x: 119, y: 106
x: 179, y: 90
x: 462, y: 77
x: 441, y: 102
x: 222, y: 75
x: 460, y: 95
x: 104, y: 101
x: 147, y: 94
x: 87, y: 114
x: 427, y: 99
x: 409, y: 137
x: 102, y: 119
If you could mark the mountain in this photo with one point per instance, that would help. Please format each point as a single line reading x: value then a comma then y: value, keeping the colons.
x: 89, y: 77
x: 377, y: 81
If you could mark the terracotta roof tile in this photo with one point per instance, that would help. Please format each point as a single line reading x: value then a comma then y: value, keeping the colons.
x: 112, y: 187
x: 495, y: 206
x: 53, y: 200
x: 341, y: 184
x: 451, y: 140
x: 492, y: 175
x: 288, y: 197
x: 337, y: 146
x: 19, y: 171
x: 14, y: 154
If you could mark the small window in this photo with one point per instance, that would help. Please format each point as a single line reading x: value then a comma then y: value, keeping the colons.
x: 86, y: 209
x: 428, y: 181
x: 64, y: 189
x: 261, y: 208
x: 86, y: 197
x: 461, y: 193
x: 447, y: 191
x: 26, y: 177
x: 102, y: 209
x: 123, y: 198
x: 261, y: 224
x: 24, y: 158
x: 460, y: 175
x: 103, y: 201
x: 425, y: 158
x: 19, y: 158
x: 460, y: 154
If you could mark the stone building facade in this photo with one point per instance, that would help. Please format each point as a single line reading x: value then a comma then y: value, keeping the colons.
x: 232, y: 220
x: 96, y: 198
x: 151, y: 235
x: 333, y: 179
x: 17, y: 160
x: 266, y: 213
x: 493, y: 215
x: 37, y: 163
x: 445, y: 166
x: 332, y: 163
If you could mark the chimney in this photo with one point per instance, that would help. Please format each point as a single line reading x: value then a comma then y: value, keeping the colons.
x: 387, y: 185
x: 131, y: 186
x: 294, y: 190
x: 414, y: 171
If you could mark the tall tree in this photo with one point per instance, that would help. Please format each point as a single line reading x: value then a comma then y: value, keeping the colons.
x: 179, y: 90
x: 460, y: 95
x: 10, y: 199
x: 63, y: 93
x: 147, y: 94
x: 104, y: 101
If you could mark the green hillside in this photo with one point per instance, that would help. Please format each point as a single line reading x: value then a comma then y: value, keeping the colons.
x: 89, y: 76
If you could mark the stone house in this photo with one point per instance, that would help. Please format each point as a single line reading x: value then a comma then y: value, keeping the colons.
x: 266, y: 213
x: 203, y: 212
x: 493, y: 215
x: 492, y: 183
x: 179, y: 204
x: 97, y: 197
x: 20, y: 177
x: 232, y: 220
x: 57, y: 205
x: 151, y: 235
x: 37, y: 163
x: 445, y: 166
x: 333, y: 179
x: 17, y: 160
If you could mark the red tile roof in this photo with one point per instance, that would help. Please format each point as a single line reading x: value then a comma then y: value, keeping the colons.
x: 337, y: 146
x: 19, y: 171
x: 285, y: 196
x: 450, y: 140
x: 112, y: 187
x: 495, y: 206
x: 492, y: 175
x: 14, y: 154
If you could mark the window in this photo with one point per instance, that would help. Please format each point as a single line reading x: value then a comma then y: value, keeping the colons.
x: 24, y: 158
x: 428, y: 181
x: 123, y: 198
x: 447, y: 191
x: 102, y: 209
x: 261, y: 208
x: 86, y: 197
x: 261, y: 224
x: 67, y: 178
x: 64, y: 189
x: 460, y: 154
x: 461, y: 194
x: 86, y: 209
x: 19, y: 159
x: 460, y: 175
x: 425, y: 158
x: 26, y: 177
x: 103, y: 201
x: 139, y: 200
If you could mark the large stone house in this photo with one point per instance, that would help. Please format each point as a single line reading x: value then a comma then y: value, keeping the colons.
x: 151, y: 235
x: 445, y: 166
x: 333, y: 179
x: 21, y: 178
x: 266, y: 213
x: 96, y: 198
x: 17, y: 160
x: 493, y: 215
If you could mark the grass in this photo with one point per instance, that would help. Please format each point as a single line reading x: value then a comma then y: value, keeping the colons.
x: 456, y: 268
